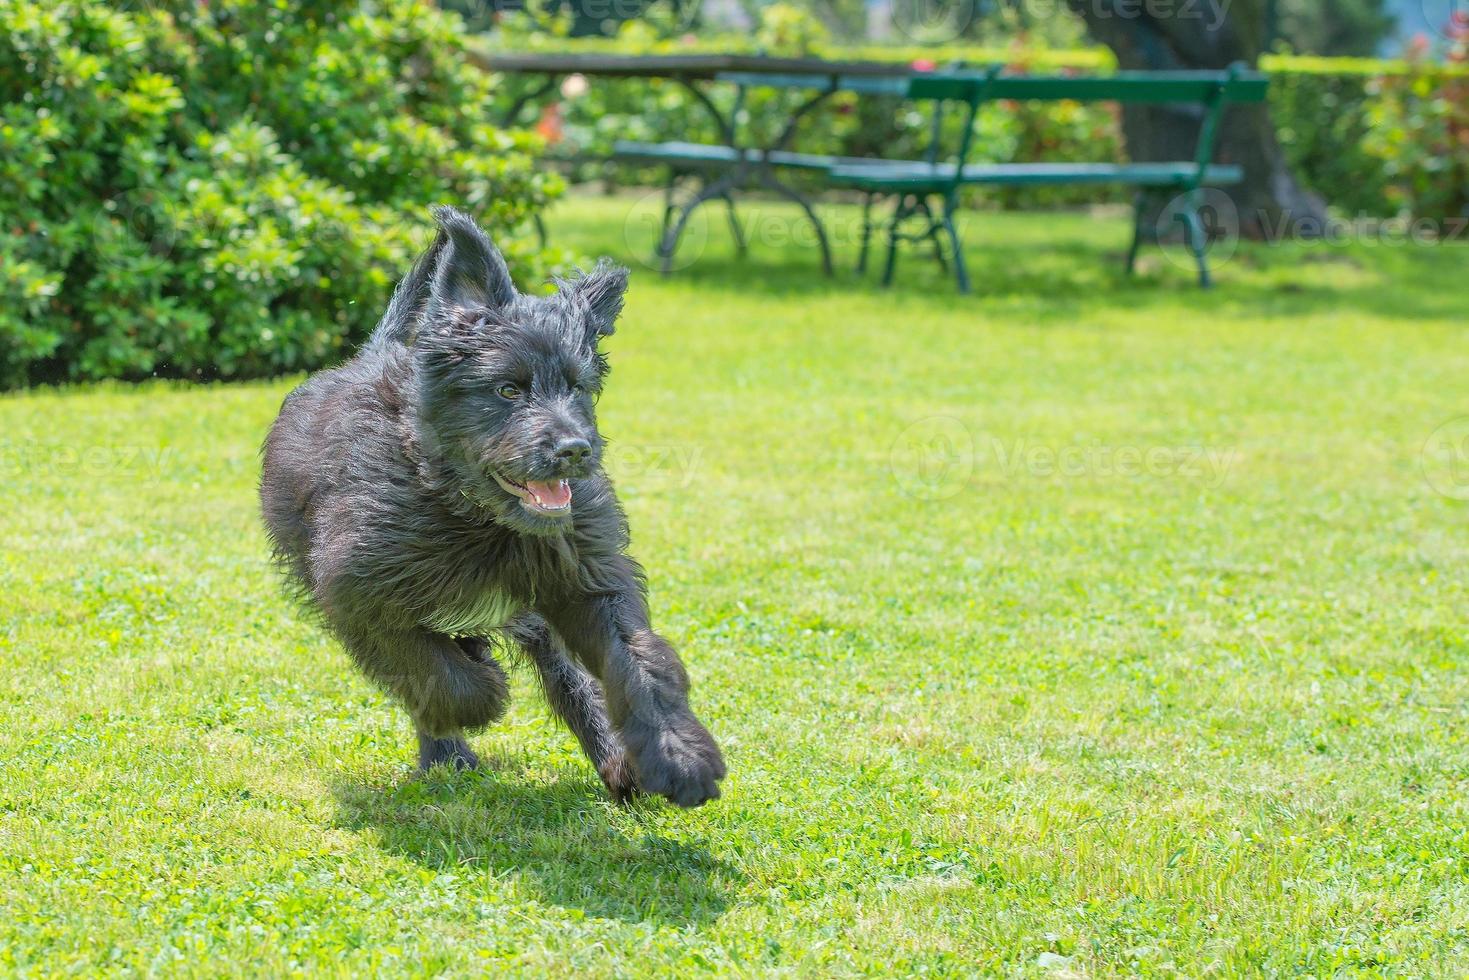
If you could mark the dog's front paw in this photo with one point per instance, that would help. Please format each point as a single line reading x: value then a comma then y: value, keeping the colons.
x: 675, y: 757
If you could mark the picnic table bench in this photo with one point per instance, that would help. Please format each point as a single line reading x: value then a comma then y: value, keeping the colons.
x: 927, y: 189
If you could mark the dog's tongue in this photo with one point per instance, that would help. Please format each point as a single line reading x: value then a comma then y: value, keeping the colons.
x: 556, y: 493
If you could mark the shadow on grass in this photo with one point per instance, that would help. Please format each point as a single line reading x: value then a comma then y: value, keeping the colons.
x: 559, y: 841
x: 1069, y: 276
x: 1071, y: 279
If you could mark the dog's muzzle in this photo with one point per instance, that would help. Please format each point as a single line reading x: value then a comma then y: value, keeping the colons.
x: 551, y: 498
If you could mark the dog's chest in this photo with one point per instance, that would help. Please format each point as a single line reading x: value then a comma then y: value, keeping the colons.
x: 474, y: 614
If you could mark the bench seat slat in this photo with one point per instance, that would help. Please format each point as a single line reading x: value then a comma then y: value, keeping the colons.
x: 706, y: 155
x: 915, y: 176
x: 764, y: 80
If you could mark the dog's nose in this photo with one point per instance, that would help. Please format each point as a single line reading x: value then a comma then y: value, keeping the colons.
x: 573, y: 450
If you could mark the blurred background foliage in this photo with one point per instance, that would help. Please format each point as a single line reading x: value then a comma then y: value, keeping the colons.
x: 1320, y: 27
x: 231, y: 189
x: 1376, y: 138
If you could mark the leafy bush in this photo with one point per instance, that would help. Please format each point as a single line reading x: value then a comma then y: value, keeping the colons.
x: 231, y: 189
x: 1421, y: 132
x: 1323, y: 122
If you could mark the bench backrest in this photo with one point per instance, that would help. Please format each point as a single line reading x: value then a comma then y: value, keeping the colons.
x: 1235, y: 84
x: 1200, y: 87
x: 1211, y: 90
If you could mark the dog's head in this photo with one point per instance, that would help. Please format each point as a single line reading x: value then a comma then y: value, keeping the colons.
x: 507, y: 382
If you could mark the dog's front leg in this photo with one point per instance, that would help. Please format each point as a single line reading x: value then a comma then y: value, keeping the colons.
x: 647, y: 693
x: 574, y: 695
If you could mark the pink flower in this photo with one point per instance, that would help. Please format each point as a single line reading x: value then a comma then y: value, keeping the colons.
x: 574, y: 86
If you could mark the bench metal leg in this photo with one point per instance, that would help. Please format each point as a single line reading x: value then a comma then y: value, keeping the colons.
x: 918, y: 206
x: 960, y: 272
x: 900, y: 211
x: 932, y: 234
x: 1198, y: 239
x: 1139, y: 207
x: 668, y: 206
x: 866, y: 232
x: 789, y: 193
x: 1194, y: 233
x: 669, y: 243
x: 741, y: 246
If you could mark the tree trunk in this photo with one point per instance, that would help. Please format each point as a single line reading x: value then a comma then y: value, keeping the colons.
x: 1168, y: 35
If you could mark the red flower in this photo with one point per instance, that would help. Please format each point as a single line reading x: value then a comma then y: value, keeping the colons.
x: 549, y: 125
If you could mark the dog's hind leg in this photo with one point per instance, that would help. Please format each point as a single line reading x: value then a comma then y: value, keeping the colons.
x: 575, y: 696
x: 446, y: 685
x: 453, y: 752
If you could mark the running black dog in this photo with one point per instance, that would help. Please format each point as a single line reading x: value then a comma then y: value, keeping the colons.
x: 439, y: 497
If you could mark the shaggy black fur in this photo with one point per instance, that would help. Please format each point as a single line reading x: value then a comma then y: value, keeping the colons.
x: 417, y: 497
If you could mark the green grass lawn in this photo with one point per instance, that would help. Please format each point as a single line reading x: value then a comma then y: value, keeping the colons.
x: 1080, y: 626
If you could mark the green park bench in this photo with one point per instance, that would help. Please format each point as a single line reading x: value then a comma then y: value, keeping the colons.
x: 916, y: 183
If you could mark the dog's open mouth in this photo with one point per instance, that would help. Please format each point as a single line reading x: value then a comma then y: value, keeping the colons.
x: 550, y: 497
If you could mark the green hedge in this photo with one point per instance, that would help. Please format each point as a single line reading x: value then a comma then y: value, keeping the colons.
x: 230, y: 189
x: 1374, y: 138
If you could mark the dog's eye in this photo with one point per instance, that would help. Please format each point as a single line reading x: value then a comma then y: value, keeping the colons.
x: 508, y: 391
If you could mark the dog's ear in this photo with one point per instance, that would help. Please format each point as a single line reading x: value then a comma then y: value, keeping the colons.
x: 470, y: 273
x: 596, y: 297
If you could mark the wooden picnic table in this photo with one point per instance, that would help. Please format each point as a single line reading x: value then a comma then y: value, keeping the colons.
x: 692, y: 66
x: 741, y: 162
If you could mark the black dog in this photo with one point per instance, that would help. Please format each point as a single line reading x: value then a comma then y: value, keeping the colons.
x: 439, y: 497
